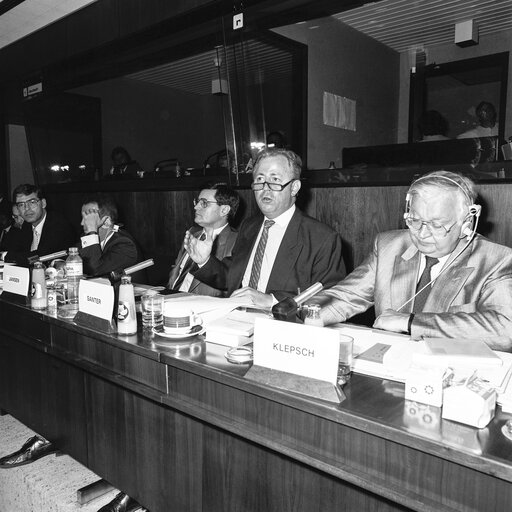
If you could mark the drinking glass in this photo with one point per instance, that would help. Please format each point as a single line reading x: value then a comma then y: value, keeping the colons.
x: 152, y: 305
x: 346, y: 344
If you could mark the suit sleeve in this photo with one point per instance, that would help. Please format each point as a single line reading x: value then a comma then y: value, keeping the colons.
x: 214, y: 273
x: 119, y: 254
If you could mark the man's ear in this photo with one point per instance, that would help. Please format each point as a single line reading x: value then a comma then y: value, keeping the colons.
x: 295, y: 187
x: 225, y: 209
x: 43, y: 203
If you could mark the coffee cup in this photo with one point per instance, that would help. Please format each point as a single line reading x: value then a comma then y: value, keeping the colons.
x: 178, y: 320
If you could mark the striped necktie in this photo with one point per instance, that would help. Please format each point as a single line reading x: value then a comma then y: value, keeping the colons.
x: 258, y: 256
x: 187, y: 266
x: 35, y: 240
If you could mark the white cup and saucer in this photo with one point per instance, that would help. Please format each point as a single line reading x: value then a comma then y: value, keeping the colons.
x: 179, y: 323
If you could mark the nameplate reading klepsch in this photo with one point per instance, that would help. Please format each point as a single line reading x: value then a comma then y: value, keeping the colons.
x: 96, y: 299
x: 294, y: 348
x: 16, y: 280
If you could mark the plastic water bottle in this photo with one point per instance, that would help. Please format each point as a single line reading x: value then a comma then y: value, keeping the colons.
x: 38, y: 289
x: 126, y: 316
x: 74, y: 272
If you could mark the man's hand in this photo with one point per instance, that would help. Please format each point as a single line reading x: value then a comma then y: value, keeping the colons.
x: 258, y: 299
x: 391, y: 320
x: 199, y: 250
x: 92, y: 221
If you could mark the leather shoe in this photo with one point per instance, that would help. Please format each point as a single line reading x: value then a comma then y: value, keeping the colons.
x: 35, y: 448
x: 122, y: 503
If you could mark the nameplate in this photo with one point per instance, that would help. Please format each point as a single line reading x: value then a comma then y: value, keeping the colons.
x: 299, y: 349
x: 16, y: 280
x: 96, y: 299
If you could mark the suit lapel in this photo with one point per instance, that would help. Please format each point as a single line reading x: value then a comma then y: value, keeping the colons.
x: 245, y: 243
x: 403, y: 280
x: 450, y: 282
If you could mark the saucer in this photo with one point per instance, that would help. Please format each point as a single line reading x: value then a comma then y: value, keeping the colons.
x: 195, y: 331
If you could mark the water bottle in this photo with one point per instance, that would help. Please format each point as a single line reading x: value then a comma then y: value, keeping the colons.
x: 51, y: 294
x: 74, y: 272
x: 38, y: 289
x: 126, y: 316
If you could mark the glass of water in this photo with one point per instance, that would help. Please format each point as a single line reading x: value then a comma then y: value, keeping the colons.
x: 346, y: 344
x: 152, y: 306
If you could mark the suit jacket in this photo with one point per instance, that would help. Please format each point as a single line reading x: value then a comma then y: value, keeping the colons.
x: 57, y: 235
x: 473, y: 297
x: 310, y: 252
x: 222, y: 248
x: 119, y: 252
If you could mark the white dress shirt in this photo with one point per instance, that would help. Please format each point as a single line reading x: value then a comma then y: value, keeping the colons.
x: 275, y: 237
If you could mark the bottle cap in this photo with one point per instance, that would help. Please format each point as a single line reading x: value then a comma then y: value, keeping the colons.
x: 126, y: 280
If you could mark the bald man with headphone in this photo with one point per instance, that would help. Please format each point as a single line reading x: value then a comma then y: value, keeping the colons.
x: 438, y: 278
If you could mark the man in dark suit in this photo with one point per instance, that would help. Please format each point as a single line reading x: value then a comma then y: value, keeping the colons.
x: 42, y: 232
x: 277, y: 253
x: 215, y: 207
x: 105, y: 247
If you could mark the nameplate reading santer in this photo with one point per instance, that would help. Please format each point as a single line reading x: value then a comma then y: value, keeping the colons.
x: 16, y: 280
x: 96, y: 299
x: 294, y: 348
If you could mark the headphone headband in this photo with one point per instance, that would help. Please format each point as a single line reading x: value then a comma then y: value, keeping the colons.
x: 429, y: 176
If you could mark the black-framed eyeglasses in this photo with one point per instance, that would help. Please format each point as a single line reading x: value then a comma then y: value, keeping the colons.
x: 435, y: 228
x: 276, y: 187
x: 202, y: 202
x: 23, y: 205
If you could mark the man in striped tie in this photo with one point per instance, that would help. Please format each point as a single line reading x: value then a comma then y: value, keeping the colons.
x: 278, y: 252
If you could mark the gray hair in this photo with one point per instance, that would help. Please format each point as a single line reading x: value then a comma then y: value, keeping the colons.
x: 449, y: 181
x: 294, y: 160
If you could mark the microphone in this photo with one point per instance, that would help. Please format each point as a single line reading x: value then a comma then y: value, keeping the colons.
x: 47, y: 257
x: 286, y: 309
x: 116, y: 276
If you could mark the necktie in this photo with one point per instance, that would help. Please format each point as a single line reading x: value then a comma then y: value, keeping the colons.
x: 258, y: 256
x: 421, y: 298
x: 35, y: 240
x: 186, y: 267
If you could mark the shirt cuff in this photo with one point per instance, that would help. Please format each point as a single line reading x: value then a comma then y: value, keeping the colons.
x: 88, y: 240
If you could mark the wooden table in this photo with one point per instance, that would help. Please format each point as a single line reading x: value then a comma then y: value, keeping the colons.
x: 183, y: 430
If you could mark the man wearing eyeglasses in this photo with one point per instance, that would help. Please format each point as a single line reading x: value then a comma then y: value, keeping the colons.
x: 42, y: 232
x: 214, y: 209
x: 436, y: 279
x: 277, y: 253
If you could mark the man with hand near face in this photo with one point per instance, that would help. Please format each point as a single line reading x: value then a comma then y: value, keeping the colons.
x: 438, y: 279
x: 215, y: 207
x: 42, y: 232
x: 105, y: 247
x: 277, y: 253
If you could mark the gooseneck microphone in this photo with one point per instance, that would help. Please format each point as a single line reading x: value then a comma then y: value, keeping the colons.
x: 116, y: 276
x: 287, y: 308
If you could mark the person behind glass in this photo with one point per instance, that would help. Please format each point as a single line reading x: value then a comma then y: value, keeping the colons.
x: 9, y: 235
x: 42, y: 232
x: 433, y: 126
x: 214, y: 209
x: 437, y: 279
x: 486, y: 116
x: 104, y: 247
x: 277, y: 252
x: 123, y: 165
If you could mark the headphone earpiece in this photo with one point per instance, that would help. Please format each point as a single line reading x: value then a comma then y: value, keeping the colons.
x: 475, y: 210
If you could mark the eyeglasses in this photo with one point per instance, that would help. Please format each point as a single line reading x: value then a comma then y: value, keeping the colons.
x: 203, y: 203
x: 276, y: 187
x: 435, y: 228
x: 23, y: 205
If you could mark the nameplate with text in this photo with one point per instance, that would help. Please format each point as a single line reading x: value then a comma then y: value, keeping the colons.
x: 16, y: 280
x: 295, y: 348
x: 96, y: 299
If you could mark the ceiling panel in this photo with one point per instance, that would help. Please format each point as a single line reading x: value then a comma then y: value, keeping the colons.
x: 408, y: 24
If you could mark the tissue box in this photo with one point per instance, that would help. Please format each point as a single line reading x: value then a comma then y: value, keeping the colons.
x: 425, y: 384
x: 471, y: 402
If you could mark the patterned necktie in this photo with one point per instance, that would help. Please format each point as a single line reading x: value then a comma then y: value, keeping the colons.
x: 421, y: 298
x: 35, y: 240
x: 186, y: 267
x: 258, y: 256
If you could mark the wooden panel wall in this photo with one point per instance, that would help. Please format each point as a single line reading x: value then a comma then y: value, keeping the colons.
x: 159, y: 219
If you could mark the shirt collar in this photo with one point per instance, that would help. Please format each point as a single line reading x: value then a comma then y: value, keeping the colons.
x: 39, y: 227
x: 284, y: 219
